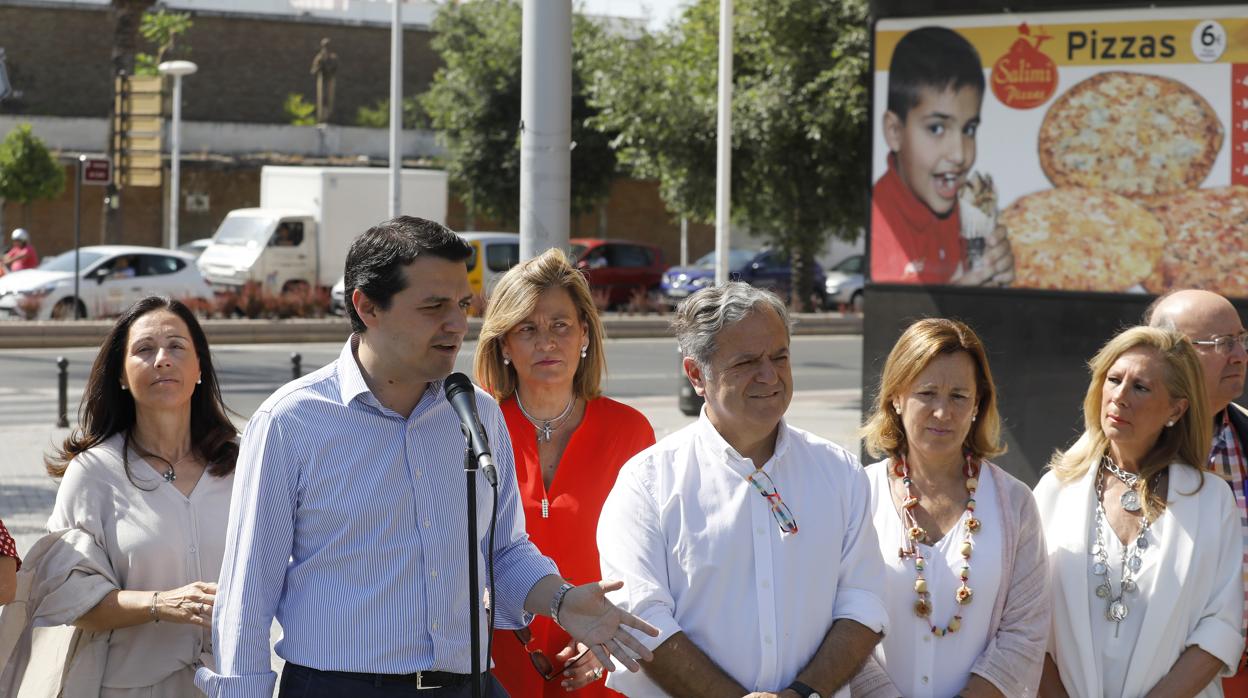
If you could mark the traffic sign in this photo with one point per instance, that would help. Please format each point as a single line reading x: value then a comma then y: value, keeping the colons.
x: 97, y: 171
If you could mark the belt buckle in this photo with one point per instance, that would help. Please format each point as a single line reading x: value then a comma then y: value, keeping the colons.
x: 420, y: 682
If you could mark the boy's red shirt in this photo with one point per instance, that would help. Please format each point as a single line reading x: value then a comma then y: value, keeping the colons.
x: 909, y: 243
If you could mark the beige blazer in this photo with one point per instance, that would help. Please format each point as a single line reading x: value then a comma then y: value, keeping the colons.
x: 1196, y: 598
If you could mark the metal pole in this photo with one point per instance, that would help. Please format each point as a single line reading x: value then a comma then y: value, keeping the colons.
x: 78, y: 231
x: 545, y: 126
x: 62, y: 390
x: 723, y: 163
x: 296, y: 365
x: 175, y: 168
x: 684, y: 241
x: 396, y: 106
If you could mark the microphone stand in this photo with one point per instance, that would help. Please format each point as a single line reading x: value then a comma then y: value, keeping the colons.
x: 474, y: 607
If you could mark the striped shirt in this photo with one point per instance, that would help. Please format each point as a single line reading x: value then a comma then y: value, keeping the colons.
x: 1227, y: 459
x: 349, y: 524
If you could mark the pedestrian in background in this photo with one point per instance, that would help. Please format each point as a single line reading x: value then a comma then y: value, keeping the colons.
x: 966, y: 584
x: 10, y: 563
x: 1144, y: 549
x: 541, y: 356
x: 21, y: 254
x: 137, y: 533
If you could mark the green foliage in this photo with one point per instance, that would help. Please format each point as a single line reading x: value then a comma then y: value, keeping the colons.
x: 378, y: 115
x: 161, y: 29
x: 474, y: 104
x: 299, y: 111
x: 800, y: 153
x: 28, y: 172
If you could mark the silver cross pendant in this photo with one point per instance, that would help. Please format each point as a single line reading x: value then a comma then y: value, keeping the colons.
x: 544, y: 432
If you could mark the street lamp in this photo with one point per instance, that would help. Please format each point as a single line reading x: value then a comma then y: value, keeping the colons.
x: 177, y: 69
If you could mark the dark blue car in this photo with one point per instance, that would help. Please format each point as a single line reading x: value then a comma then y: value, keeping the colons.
x: 767, y: 269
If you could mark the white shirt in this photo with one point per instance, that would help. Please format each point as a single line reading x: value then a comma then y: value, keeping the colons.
x: 699, y: 551
x: 1117, y: 643
x: 919, y: 664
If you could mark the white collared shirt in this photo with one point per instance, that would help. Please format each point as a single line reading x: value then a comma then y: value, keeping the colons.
x: 700, y: 551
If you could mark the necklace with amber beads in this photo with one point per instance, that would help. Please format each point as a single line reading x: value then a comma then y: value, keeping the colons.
x: 916, y: 533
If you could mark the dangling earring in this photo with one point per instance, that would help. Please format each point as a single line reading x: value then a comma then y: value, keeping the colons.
x: 584, y: 351
x: 506, y: 361
x: 199, y: 380
x: 897, y: 409
x: 973, y: 416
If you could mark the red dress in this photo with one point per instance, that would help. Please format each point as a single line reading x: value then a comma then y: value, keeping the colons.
x: 609, y: 434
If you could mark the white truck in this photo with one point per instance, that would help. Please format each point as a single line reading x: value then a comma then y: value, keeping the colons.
x: 308, y: 216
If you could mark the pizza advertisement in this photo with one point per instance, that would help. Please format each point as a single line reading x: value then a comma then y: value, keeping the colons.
x: 1101, y: 151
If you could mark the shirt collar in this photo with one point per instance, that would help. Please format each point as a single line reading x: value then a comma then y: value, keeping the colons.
x: 352, y: 385
x: 720, y: 447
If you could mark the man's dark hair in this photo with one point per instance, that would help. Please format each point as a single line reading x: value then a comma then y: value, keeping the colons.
x: 931, y: 57
x: 376, y: 258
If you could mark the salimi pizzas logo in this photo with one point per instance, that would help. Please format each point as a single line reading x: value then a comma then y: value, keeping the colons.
x: 1025, y: 77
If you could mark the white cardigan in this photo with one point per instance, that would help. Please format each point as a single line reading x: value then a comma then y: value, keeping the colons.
x: 1197, y: 597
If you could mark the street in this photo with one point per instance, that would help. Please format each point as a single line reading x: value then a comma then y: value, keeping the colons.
x: 250, y: 373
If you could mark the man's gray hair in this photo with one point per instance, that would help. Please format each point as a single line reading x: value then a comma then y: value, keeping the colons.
x: 701, y: 316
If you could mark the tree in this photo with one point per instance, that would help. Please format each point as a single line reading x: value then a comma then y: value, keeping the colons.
x: 378, y: 115
x: 800, y: 150
x: 162, y: 29
x: 127, y: 16
x: 474, y: 104
x: 28, y: 172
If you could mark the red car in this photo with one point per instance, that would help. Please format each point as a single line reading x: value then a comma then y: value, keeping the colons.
x: 619, y: 268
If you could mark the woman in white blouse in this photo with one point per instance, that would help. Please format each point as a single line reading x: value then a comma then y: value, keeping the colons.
x: 966, y: 584
x: 142, y: 507
x: 1144, y: 545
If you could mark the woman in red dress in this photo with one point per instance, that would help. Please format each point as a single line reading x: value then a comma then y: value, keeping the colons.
x: 540, y: 355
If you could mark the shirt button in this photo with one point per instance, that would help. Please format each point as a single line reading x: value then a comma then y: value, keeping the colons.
x: 766, y: 584
x: 428, y: 523
x: 760, y: 531
x: 927, y: 638
x: 416, y: 474
x: 767, y: 639
x: 193, y: 550
x: 434, y: 574
x: 924, y: 679
x: 435, y: 627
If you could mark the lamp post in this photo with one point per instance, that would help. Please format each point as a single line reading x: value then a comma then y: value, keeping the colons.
x: 177, y: 69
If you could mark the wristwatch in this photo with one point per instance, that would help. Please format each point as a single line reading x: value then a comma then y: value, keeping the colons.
x: 803, y: 690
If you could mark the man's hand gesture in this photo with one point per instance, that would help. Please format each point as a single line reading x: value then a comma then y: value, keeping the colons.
x: 597, y: 623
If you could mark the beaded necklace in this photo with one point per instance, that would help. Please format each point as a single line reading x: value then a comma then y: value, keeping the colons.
x: 915, y: 533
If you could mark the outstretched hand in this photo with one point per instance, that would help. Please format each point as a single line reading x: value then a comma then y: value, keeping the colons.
x: 597, y: 623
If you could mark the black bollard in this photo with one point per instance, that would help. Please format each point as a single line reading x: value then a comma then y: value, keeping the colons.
x: 62, y: 390
x: 296, y: 365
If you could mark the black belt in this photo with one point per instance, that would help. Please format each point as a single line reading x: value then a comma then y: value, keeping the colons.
x: 422, y: 680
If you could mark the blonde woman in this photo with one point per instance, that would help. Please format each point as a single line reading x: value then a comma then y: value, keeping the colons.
x: 966, y: 583
x: 541, y: 356
x: 1144, y: 546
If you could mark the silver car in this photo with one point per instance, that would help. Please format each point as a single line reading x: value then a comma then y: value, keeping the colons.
x: 844, y: 284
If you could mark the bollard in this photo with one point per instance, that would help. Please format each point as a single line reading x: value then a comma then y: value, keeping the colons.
x: 62, y: 390
x: 296, y: 367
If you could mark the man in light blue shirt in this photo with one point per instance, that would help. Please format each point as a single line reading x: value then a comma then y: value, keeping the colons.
x: 349, y: 517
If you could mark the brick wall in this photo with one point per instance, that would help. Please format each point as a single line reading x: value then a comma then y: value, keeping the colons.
x: 58, y: 58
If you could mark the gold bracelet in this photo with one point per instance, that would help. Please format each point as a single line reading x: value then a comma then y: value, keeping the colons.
x: 152, y: 610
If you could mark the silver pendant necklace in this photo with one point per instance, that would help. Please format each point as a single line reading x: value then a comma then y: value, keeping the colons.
x: 545, y: 427
x: 1130, y: 499
x: 169, y: 475
x: 1116, y: 609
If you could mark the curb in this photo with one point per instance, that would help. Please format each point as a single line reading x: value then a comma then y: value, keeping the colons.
x: 91, y: 333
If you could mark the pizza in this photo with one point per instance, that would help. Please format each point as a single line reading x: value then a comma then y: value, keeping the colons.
x: 1206, y: 230
x: 1141, y: 136
x: 1082, y: 240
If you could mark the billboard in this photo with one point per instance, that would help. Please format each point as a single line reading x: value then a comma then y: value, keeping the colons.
x: 1101, y: 151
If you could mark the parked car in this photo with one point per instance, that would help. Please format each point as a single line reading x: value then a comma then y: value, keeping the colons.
x: 492, y: 255
x: 195, y: 247
x: 618, y: 268
x: 844, y: 284
x: 767, y: 269
x: 338, y: 297
x: 111, y: 279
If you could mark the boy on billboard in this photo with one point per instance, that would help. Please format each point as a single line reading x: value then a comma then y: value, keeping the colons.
x: 935, y: 89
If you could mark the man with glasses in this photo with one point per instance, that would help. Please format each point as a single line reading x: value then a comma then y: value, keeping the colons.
x: 1215, y: 329
x: 746, y: 541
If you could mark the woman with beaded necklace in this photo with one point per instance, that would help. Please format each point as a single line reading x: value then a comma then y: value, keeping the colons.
x: 1144, y: 545
x: 967, y: 582
x: 541, y: 356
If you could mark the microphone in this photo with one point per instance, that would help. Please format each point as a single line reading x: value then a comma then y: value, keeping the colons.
x: 463, y: 399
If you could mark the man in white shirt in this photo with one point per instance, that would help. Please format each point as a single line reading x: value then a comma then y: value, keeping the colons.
x: 746, y: 541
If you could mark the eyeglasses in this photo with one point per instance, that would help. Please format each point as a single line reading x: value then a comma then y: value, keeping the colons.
x: 541, y: 663
x: 784, y: 516
x: 1224, y: 344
